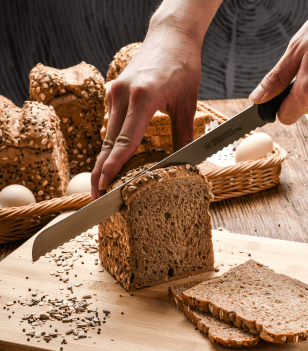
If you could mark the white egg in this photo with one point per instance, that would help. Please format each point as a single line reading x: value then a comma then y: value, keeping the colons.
x: 81, y: 183
x: 254, y: 147
x: 16, y: 195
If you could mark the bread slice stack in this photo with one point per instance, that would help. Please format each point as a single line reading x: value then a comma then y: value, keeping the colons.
x: 32, y: 149
x: 218, y: 331
x: 77, y: 94
x: 164, y: 230
x: 159, y: 134
x: 252, y: 298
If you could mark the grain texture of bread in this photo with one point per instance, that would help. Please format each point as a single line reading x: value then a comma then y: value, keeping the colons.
x: 77, y: 94
x: 164, y: 230
x: 121, y: 59
x: 219, y: 332
x: 32, y: 149
x: 255, y: 298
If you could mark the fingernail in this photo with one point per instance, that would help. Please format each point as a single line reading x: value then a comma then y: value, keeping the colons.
x: 257, y: 95
x: 101, y: 182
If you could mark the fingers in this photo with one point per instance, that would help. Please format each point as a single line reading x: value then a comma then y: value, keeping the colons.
x: 182, y: 121
x: 296, y: 103
x: 128, y: 135
x: 117, y: 114
x: 277, y: 79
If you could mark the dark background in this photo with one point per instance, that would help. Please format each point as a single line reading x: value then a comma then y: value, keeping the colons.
x: 244, y: 41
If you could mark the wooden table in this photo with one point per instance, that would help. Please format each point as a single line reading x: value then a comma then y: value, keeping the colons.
x: 279, y: 212
x: 145, y: 320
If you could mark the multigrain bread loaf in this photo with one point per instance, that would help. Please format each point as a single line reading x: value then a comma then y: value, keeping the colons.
x: 77, y: 94
x: 255, y: 298
x: 218, y: 331
x: 159, y: 134
x: 32, y: 149
x: 164, y: 230
x: 121, y: 59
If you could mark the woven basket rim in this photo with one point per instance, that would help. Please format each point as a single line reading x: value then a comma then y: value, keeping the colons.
x: 46, y: 205
x: 277, y: 158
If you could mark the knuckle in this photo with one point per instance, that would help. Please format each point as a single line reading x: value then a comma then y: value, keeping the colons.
x: 139, y: 92
x: 108, y: 144
x: 124, y: 140
x: 117, y: 88
x: 275, y: 78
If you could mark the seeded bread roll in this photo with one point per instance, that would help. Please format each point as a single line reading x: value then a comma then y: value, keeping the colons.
x: 121, y: 59
x: 255, y: 298
x: 164, y: 230
x: 32, y: 149
x: 219, y: 332
x: 77, y: 94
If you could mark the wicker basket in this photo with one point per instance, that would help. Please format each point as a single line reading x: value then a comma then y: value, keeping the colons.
x: 248, y: 177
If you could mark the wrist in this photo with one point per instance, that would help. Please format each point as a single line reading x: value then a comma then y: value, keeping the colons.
x: 186, y: 17
x: 171, y: 22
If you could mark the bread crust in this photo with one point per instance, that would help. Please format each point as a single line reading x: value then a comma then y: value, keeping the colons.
x: 117, y: 237
x: 77, y: 94
x: 32, y: 149
x: 246, y: 318
x: 215, y: 329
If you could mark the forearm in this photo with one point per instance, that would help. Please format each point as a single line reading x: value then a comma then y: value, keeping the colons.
x: 191, y: 17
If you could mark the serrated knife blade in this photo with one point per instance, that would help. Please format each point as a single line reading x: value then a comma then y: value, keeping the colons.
x: 193, y: 153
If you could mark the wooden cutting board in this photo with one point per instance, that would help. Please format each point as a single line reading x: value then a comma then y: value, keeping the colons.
x: 150, y: 320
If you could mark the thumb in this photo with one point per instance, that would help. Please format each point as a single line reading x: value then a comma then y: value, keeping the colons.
x: 277, y: 79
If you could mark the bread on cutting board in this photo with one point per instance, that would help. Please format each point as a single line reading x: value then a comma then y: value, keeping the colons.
x: 218, y: 331
x: 163, y: 232
x: 255, y: 298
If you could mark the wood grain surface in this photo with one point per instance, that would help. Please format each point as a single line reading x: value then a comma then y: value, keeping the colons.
x: 279, y: 212
x: 150, y: 320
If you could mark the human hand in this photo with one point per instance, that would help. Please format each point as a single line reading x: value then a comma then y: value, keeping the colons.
x: 293, y: 63
x: 163, y: 75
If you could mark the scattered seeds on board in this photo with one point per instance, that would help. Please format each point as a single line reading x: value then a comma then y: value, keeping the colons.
x: 69, y: 309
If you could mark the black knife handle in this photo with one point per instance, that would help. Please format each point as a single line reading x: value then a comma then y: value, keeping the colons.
x: 268, y: 110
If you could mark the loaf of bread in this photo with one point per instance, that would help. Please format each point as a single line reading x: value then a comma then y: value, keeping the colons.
x: 218, y: 331
x: 121, y: 59
x: 164, y: 230
x: 159, y: 134
x: 255, y: 298
x: 77, y: 95
x: 32, y: 149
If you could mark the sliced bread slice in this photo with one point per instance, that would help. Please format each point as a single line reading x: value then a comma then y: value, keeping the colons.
x: 219, y: 332
x: 256, y: 298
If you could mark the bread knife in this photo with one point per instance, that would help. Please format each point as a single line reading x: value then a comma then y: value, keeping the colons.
x: 193, y: 153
